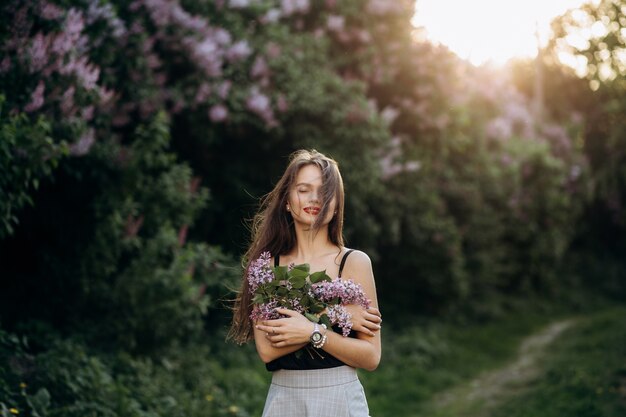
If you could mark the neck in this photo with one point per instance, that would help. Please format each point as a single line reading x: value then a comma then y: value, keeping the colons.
x: 310, y: 246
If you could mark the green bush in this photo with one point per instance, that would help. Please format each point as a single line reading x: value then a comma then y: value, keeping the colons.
x: 27, y: 156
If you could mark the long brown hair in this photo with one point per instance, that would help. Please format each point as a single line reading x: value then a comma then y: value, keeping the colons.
x: 273, y: 229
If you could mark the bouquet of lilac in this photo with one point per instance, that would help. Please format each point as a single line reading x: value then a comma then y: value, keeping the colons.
x: 315, y: 295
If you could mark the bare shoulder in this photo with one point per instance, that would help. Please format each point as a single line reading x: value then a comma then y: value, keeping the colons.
x: 358, y: 266
x: 359, y: 258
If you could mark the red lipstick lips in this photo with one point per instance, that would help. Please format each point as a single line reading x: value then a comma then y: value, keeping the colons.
x: 312, y: 210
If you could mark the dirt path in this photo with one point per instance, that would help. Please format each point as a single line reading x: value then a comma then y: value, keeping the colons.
x: 480, y: 396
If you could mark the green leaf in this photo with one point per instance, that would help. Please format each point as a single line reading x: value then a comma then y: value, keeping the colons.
x: 316, y: 308
x: 39, y: 402
x: 302, y: 267
x: 297, y: 273
x: 312, y: 317
x: 258, y: 299
x: 319, y: 277
x: 280, y: 272
x: 298, y: 282
x: 325, y: 320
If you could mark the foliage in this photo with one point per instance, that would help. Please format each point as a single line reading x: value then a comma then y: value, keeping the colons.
x: 66, y: 379
x: 114, y: 112
x: 594, y: 35
x: 28, y: 155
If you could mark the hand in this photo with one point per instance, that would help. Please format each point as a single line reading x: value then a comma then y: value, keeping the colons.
x: 365, y: 321
x: 291, y: 330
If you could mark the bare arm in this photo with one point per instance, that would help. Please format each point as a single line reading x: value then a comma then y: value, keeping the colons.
x: 286, y: 335
x: 267, y: 351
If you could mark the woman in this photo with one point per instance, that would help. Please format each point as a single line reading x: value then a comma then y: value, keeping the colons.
x: 301, y: 221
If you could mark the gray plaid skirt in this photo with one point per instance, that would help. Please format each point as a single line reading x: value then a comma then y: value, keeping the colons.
x: 333, y: 392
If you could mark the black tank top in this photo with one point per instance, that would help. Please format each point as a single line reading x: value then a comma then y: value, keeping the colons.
x: 308, y: 357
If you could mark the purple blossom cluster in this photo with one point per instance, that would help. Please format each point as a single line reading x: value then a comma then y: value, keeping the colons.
x: 259, y: 272
x: 56, y: 57
x: 212, y: 49
x: 265, y: 311
x: 338, y: 314
x: 347, y: 291
x: 260, y: 104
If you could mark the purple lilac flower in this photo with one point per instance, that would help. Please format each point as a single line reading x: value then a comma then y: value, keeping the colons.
x: 335, y: 22
x: 294, y: 304
x: 259, y: 68
x: 272, y: 16
x: 265, y: 311
x: 203, y: 93
x: 38, y: 52
x: 83, y: 145
x: 339, y: 315
x: 50, y: 11
x: 290, y: 7
x: 239, y: 51
x: 97, y: 11
x: 86, y: 72
x: 218, y: 113
x: 347, y: 291
x: 87, y: 113
x: 67, y: 101
x: 223, y: 89
x: 260, y: 272
x: 259, y: 104
x: 36, y: 98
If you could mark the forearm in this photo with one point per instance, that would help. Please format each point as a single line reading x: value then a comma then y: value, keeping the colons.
x: 267, y: 352
x: 362, y: 352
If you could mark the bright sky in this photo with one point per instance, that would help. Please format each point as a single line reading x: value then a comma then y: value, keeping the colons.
x: 489, y: 30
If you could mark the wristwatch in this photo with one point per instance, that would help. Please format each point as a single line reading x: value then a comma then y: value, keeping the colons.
x: 316, y: 335
x: 318, y: 339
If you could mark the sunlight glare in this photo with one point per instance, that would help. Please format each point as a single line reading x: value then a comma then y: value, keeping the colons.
x: 490, y: 30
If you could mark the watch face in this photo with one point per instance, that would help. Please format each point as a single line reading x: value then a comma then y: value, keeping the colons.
x: 316, y: 337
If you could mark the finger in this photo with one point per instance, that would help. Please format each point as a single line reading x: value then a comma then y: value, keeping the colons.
x: 370, y: 330
x: 373, y: 318
x: 287, y: 312
x: 363, y: 329
x: 375, y: 311
x: 275, y: 338
x: 371, y: 325
x: 275, y: 322
x: 266, y: 329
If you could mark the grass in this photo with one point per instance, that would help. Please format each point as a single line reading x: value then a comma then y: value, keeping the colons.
x: 582, y: 373
x: 421, y: 361
x: 585, y: 373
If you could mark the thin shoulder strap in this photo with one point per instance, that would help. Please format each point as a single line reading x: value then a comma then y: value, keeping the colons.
x: 276, y: 260
x: 343, y: 261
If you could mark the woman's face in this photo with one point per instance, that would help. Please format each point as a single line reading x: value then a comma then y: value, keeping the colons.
x: 305, y: 197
